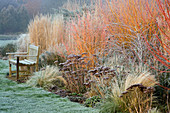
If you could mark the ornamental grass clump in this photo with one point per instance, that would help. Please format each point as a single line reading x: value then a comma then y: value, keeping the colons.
x: 131, y: 94
x: 48, y: 78
x: 48, y: 32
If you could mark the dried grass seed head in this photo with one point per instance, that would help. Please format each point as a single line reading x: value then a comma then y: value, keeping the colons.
x: 70, y: 56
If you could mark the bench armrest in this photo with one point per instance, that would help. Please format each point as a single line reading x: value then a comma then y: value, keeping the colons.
x: 16, y: 53
x: 25, y: 56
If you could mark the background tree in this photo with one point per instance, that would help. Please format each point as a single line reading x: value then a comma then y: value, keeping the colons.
x: 16, y: 14
x: 8, y: 20
x: 6, y: 3
x: 13, y: 20
x: 22, y: 19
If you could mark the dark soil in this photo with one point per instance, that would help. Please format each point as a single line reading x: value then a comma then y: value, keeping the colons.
x: 72, y: 97
x: 20, y: 80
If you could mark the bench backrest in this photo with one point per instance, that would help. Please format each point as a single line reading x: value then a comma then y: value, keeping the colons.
x: 33, y: 50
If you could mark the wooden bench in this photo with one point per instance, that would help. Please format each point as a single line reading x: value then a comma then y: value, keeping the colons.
x: 29, y: 59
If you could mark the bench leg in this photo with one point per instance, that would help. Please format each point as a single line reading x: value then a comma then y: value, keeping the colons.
x: 36, y: 67
x: 31, y: 69
x: 28, y: 70
x: 17, y: 68
x: 10, y: 72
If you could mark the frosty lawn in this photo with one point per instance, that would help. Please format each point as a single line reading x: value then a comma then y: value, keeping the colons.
x: 17, y: 98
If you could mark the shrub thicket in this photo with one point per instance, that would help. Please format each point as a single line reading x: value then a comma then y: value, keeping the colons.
x: 8, y: 48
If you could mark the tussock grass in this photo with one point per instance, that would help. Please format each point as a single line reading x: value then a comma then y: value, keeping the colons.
x: 146, y: 79
x: 48, y: 78
x: 127, y: 97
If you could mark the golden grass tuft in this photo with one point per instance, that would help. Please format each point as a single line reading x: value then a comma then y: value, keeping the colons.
x: 46, y: 78
x: 145, y: 79
x: 47, y: 31
x: 134, y: 100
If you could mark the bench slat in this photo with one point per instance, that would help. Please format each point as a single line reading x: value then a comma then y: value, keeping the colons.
x: 32, y: 62
x: 26, y: 62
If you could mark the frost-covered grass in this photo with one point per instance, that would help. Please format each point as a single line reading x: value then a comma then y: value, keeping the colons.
x: 20, y: 98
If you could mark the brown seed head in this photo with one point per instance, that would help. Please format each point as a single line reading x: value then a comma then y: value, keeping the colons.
x: 84, y: 53
x: 73, y: 72
x: 94, y: 55
x: 85, y: 70
x: 125, y: 92
x: 105, y: 78
x: 87, y: 84
x: 77, y: 56
x: 68, y: 61
x: 134, y: 85
x: 91, y: 81
x: 106, y: 68
x: 112, y: 70
x: 87, y: 79
x: 78, y: 71
x: 66, y: 69
x: 76, y: 78
x: 121, y: 96
x: 56, y: 62
x: 61, y: 64
x: 97, y: 74
x: 92, y: 71
x: 67, y: 72
x: 70, y: 56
